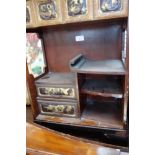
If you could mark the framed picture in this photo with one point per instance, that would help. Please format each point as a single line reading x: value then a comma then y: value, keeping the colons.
x: 77, y: 10
x: 48, y: 12
x: 30, y: 14
x: 35, y: 55
x: 106, y: 9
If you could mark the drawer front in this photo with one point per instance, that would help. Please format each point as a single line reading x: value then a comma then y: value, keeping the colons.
x: 56, y: 92
x: 58, y: 108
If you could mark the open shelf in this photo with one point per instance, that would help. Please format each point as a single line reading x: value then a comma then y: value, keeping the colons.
x: 81, y: 64
x: 102, y: 87
x: 107, y: 114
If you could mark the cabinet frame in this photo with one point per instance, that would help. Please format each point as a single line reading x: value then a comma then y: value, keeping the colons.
x: 31, y: 13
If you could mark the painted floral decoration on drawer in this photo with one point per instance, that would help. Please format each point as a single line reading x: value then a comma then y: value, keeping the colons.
x: 57, y: 91
x: 64, y: 109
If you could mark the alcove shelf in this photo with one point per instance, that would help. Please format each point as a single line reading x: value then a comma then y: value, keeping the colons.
x: 81, y: 64
x: 103, y: 88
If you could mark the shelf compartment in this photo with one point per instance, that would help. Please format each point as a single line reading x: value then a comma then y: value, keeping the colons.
x: 106, y: 114
x: 102, y: 87
x: 81, y: 64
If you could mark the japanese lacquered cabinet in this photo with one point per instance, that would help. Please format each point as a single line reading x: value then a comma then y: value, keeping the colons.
x: 85, y: 80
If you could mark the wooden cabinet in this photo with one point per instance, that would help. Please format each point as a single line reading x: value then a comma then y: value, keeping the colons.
x: 86, y: 83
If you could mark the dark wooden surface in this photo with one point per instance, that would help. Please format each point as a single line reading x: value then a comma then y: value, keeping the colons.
x: 33, y: 92
x: 106, y: 138
x: 106, y: 114
x: 103, y: 87
x: 53, y: 78
x: 111, y: 67
x: 102, y: 41
x: 29, y: 116
x: 43, y: 141
x: 115, y: 124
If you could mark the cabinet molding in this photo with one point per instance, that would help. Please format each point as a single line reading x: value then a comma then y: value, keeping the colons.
x: 30, y: 14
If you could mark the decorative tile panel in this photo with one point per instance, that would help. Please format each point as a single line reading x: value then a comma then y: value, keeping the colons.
x: 108, y: 9
x: 48, y: 12
x: 77, y: 10
x: 110, y: 5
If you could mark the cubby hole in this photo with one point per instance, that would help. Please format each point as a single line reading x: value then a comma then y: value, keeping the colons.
x: 101, y: 98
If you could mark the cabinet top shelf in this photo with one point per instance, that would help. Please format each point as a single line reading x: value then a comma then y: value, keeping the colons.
x: 102, y: 87
x: 57, y: 78
x: 82, y: 65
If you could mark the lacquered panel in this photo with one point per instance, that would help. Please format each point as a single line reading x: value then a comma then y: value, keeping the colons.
x: 35, y: 55
x: 58, y: 109
x: 56, y: 92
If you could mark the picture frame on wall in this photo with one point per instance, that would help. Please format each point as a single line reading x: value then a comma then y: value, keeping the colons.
x: 108, y: 9
x: 30, y: 14
x: 77, y: 10
x: 48, y: 12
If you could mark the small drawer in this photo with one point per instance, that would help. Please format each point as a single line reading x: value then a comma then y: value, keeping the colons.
x: 57, y: 92
x: 58, y: 108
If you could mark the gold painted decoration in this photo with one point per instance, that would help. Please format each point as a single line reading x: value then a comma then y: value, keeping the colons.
x: 58, y: 109
x: 110, y: 5
x: 107, y: 9
x: 57, y: 92
x: 48, y: 12
x: 76, y: 7
x: 77, y: 10
x: 30, y: 15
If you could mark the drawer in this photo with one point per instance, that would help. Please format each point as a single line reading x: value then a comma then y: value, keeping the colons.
x: 58, y: 108
x: 57, y: 92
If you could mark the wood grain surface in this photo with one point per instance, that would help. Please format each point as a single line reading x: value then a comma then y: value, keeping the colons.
x: 102, y: 41
x: 41, y: 141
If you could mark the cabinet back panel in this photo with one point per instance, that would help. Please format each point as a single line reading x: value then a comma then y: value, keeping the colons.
x: 101, y: 41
